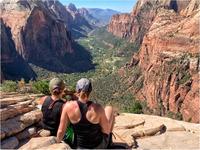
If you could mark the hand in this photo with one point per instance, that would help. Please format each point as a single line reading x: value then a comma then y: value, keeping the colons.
x: 54, y: 140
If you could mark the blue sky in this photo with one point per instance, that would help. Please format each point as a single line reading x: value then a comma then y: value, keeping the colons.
x: 120, y: 5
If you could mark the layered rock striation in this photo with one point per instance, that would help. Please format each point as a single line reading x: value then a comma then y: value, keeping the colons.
x: 168, y: 59
x: 19, y: 119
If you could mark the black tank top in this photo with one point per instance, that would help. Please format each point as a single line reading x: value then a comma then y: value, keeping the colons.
x: 87, y: 134
x: 51, y: 111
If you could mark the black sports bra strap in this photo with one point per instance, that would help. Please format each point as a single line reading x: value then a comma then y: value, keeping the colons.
x: 89, y: 103
x: 52, y: 102
x: 83, y: 106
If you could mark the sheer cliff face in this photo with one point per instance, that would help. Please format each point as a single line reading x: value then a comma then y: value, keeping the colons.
x: 12, y: 64
x: 168, y: 57
x: 39, y: 36
x: 169, y: 60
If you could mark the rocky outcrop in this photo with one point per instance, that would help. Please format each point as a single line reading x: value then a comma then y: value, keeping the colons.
x: 165, y: 70
x: 155, y: 132
x: 44, y: 143
x: 19, y: 119
x: 12, y: 64
x: 39, y: 36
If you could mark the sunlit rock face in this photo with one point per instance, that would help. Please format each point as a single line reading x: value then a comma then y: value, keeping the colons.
x: 168, y: 35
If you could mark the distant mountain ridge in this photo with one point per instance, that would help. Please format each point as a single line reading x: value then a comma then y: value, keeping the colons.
x: 103, y: 15
x: 94, y: 16
x: 80, y: 21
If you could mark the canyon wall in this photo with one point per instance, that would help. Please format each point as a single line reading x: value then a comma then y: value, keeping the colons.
x: 168, y: 58
x: 39, y: 36
x: 12, y: 64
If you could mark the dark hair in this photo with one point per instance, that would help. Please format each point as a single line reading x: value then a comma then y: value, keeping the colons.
x: 83, y: 95
x: 57, y: 91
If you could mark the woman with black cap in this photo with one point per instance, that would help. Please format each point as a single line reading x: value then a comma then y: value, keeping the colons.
x: 92, y: 124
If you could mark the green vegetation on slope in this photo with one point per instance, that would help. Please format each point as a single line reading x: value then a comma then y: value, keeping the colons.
x: 9, y: 86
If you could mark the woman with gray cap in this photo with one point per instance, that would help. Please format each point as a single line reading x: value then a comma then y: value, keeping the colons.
x: 52, y: 106
x: 92, y: 124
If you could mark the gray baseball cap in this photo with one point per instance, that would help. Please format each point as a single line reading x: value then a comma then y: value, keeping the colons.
x: 84, y: 85
x: 56, y: 83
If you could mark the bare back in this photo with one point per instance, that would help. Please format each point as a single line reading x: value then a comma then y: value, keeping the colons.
x: 95, y: 114
x: 92, y: 115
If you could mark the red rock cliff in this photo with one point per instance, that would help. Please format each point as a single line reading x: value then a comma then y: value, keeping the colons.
x: 39, y: 37
x: 12, y: 64
x: 168, y: 58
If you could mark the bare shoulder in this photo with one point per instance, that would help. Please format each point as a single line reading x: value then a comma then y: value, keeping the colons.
x: 69, y: 105
x: 98, y: 107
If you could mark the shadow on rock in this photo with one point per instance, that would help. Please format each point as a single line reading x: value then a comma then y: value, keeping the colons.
x: 119, y: 145
x: 78, y: 61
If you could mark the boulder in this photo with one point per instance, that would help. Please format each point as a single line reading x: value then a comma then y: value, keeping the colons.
x: 7, y: 101
x: 44, y: 143
x: 44, y: 133
x: 19, y: 123
x: 16, y: 109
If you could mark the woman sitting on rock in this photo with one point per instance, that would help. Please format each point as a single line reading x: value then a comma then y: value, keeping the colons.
x: 92, y: 124
x: 52, y: 106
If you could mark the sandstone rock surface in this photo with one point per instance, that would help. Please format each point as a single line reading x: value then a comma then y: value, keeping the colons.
x: 19, y: 118
x: 163, y: 139
x: 27, y: 133
x: 19, y: 123
x: 44, y: 143
x: 160, y: 139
